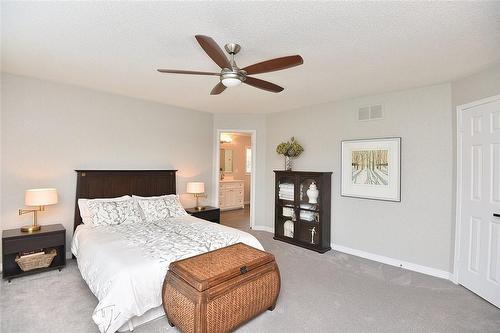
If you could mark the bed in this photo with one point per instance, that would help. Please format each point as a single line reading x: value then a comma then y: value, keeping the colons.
x: 124, y: 265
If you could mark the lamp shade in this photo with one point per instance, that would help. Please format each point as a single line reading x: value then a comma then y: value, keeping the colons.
x: 40, y: 197
x: 195, y: 187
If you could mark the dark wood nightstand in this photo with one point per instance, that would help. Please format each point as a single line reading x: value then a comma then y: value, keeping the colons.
x: 51, y: 236
x: 211, y: 214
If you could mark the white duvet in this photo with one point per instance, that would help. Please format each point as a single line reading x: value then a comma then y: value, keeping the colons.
x: 125, y: 265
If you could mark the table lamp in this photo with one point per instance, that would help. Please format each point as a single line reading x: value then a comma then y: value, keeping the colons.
x: 198, y: 190
x: 39, y: 198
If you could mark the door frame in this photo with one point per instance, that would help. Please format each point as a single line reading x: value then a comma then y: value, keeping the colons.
x: 458, y: 218
x: 216, y: 163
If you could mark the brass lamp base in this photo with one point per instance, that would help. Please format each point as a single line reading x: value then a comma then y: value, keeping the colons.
x: 30, y: 228
x: 198, y: 207
x: 34, y: 227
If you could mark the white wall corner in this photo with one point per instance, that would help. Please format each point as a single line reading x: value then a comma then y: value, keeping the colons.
x: 394, y: 262
x: 69, y: 255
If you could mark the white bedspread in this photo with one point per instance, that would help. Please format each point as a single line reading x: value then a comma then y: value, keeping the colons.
x: 125, y: 265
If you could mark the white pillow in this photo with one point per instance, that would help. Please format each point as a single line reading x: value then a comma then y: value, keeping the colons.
x: 84, y: 209
x: 153, y: 208
x: 114, y: 212
x: 174, y: 205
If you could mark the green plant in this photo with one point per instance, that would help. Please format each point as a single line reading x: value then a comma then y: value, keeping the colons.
x: 290, y: 148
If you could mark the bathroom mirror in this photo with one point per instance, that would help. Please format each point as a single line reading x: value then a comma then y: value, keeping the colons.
x: 226, y: 160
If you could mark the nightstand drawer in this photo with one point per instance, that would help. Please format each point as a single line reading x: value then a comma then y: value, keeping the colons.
x: 33, y: 243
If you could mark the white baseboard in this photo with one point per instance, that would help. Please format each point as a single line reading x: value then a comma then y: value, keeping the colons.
x: 394, y: 262
x: 263, y: 228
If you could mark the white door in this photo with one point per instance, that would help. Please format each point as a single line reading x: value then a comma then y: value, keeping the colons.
x: 479, y: 198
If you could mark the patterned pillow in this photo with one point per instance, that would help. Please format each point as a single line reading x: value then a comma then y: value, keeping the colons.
x: 153, y: 209
x: 84, y: 208
x: 174, y: 205
x: 114, y: 212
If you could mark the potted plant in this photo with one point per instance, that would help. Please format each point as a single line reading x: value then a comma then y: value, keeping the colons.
x: 289, y: 149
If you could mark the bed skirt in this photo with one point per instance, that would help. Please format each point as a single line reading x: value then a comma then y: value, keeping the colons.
x: 148, y: 316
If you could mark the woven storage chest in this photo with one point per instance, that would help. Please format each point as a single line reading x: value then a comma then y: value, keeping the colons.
x: 219, y: 290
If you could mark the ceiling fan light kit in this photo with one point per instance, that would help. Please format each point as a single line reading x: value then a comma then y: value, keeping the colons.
x: 231, y: 75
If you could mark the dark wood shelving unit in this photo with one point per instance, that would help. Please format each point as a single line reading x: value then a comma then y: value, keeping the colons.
x: 315, y: 234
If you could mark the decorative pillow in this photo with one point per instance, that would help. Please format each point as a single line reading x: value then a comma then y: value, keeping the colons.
x: 84, y: 209
x: 174, y: 206
x: 153, y: 209
x: 114, y: 212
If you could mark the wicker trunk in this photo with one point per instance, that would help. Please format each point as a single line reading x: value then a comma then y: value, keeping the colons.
x: 219, y: 290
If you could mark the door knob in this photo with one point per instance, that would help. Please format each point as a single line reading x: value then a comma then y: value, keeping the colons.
x: 496, y: 215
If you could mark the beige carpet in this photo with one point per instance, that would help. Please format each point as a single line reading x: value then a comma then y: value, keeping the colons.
x: 333, y: 292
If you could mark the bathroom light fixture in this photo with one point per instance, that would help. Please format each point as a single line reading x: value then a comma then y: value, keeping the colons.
x: 225, y: 138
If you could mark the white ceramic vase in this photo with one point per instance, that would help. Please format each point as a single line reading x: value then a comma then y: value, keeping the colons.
x: 313, y: 193
x: 288, y: 163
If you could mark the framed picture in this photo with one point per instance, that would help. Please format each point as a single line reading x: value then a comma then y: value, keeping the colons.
x: 371, y: 169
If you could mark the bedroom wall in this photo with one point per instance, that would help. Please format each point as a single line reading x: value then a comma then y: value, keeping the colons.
x: 417, y: 229
x: 48, y: 130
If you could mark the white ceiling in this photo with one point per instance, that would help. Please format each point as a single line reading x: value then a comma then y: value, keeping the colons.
x: 349, y: 48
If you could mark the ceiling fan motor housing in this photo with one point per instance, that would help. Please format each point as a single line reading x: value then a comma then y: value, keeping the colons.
x: 234, y: 73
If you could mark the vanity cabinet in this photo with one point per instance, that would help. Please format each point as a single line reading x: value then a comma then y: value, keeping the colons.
x: 302, y: 209
x: 231, y: 194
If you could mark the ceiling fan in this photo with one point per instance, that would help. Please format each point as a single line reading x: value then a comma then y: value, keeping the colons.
x: 231, y: 75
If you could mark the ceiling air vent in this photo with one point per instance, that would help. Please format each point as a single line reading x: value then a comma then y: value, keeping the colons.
x: 372, y: 112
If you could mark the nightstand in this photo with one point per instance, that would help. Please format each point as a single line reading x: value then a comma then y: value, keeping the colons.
x: 51, y: 236
x: 211, y: 214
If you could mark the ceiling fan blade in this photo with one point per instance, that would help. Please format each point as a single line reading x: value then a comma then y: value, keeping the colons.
x: 219, y: 87
x: 274, y: 64
x: 175, y: 71
x: 213, y: 50
x: 261, y: 84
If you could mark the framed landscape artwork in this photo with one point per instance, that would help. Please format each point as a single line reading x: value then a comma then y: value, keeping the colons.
x: 371, y: 169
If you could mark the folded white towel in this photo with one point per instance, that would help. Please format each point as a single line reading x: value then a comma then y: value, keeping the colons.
x: 287, y: 211
x: 286, y: 192
x: 308, y: 216
x: 302, y: 213
x: 307, y: 206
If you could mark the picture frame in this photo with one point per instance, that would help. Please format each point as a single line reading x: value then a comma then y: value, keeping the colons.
x: 371, y: 169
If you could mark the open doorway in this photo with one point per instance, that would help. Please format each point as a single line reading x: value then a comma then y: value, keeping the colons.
x: 235, y: 165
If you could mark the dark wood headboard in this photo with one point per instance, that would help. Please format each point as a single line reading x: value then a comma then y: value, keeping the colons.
x: 93, y: 184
